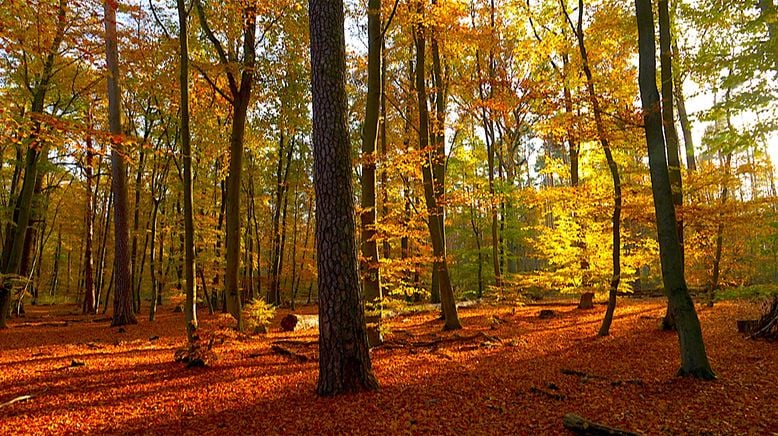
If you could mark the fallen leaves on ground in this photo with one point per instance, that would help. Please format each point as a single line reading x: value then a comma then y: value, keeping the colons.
x: 507, y: 372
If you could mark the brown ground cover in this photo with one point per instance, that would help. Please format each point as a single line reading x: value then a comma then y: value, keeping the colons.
x: 507, y: 372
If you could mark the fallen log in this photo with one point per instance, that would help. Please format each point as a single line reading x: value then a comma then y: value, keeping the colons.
x: 546, y: 314
x: 580, y: 425
x: 581, y: 374
x: 434, y: 343
x: 290, y: 353
x: 552, y: 395
x: 43, y: 324
x: 294, y: 322
x: 296, y: 343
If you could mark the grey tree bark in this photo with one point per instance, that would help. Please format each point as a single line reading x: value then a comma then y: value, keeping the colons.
x: 344, y: 362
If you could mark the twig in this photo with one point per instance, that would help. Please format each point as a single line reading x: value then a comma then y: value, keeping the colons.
x: 23, y: 398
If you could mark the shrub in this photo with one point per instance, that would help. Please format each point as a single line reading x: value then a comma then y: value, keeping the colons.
x: 258, y: 315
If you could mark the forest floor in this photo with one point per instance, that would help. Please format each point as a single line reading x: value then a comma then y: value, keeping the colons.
x: 506, y: 372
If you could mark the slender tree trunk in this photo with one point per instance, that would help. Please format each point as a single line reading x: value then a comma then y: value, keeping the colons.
x: 153, y: 260
x: 683, y: 117
x: 190, y: 307
x: 344, y: 362
x: 715, y: 275
x: 694, y: 360
x: 135, y: 227
x: 241, y: 96
x: 477, y: 236
x: 386, y: 247
x: 122, y: 304
x: 90, y: 302
x: 369, y: 266
x: 612, y: 166
x: 309, y: 220
x: 435, y: 219
x: 57, y: 255
x: 285, y: 152
x: 103, y: 246
x: 671, y: 135
x: 10, y: 261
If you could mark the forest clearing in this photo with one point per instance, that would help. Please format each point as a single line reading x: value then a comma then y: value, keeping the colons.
x: 388, y: 217
x: 519, y: 374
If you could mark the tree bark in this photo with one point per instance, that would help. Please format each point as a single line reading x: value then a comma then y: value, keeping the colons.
x: 190, y: 284
x: 369, y: 266
x: 612, y: 166
x: 241, y: 96
x: 344, y: 363
x: 434, y: 212
x: 694, y: 360
x: 10, y: 262
x: 123, y: 312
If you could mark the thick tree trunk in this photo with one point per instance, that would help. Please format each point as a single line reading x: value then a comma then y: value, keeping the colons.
x: 694, y: 360
x: 123, y: 312
x: 369, y: 266
x: 344, y: 362
x: 434, y: 212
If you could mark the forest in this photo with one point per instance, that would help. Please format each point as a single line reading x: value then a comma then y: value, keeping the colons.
x: 445, y: 216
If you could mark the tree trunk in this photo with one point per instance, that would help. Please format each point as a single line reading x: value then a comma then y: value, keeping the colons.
x: 434, y: 212
x: 683, y: 117
x: 190, y: 308
x: 123, y: 312
x: 612, y: 166
x: 153, y: 259
x: 135, y: 227
x: 369, y: 266
x: 10, y: 261
x: 241, y: 96
x: 715, y: 275
x: 344, y: 362
x: 694, y: 360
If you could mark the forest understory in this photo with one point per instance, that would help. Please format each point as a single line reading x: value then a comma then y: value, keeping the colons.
x: 507, y: 372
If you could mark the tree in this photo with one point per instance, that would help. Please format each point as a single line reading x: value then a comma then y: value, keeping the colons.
x: 12, y: 253
x: 432, y: 173
x: 612, y: 166
x: 190, y: 309
x: 694, y: 360
x: 369, y: 265
x: 344, y: 362
x: 671, y: 134
x: 239, y: 97
x: 123, y: 312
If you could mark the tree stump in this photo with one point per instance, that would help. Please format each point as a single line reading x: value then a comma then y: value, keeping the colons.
x: 546, y: 314
x: 587, y: 301
x: 747, y: 326
x: 293, y: 322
